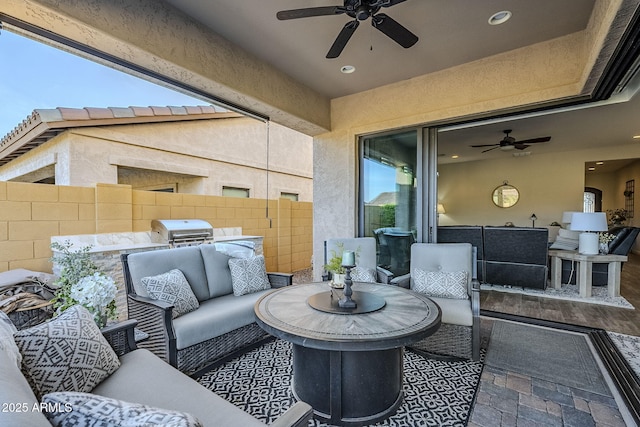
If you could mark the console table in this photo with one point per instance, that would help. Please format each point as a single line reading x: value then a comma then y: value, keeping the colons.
x: 348, y: 367
x: 585, y: 263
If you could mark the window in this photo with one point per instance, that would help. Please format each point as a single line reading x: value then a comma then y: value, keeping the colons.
x: 388, y: 196
x: 235, y: 192
x: 290, y: 196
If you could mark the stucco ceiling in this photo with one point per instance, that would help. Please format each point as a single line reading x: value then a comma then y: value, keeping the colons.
x: 450, y: 33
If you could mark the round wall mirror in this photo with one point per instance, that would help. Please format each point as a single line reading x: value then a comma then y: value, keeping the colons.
x: 505, y: 196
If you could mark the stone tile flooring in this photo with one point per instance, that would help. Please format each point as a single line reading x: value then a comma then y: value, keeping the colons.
x: 507, y: 399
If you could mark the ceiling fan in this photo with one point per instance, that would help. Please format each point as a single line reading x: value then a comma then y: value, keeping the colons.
x: 359, y: 10
x: 509, y: 142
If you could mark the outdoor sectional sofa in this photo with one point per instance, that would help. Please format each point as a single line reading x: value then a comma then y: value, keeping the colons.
x: 138, y: 388
x: 223, y: 323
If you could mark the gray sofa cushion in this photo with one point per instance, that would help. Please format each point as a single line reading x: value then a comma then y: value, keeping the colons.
x: 14, y: 390
x: 7, y: 343
x: 216, y: 265
x: 146, y: 379
x: 248, y: 275
x: 187, y: 259
x: 215, y: 317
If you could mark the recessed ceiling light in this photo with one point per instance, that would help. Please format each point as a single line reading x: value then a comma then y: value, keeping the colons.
x: 599, y: 163
x: 636, y: 136
x: 455, y: 156
x: 347, y: 69
x: 499, y: 17
x: 592, y: 168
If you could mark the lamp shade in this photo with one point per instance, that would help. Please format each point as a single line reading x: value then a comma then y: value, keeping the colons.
x: 440, y: 208
x: 588, y: 221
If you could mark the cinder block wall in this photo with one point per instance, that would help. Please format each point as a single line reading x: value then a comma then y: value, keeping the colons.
x: 31, y: 213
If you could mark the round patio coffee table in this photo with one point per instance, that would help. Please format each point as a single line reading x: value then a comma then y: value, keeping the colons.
x: 348, y: 367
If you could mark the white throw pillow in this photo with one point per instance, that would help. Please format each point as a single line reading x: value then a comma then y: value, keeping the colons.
x: 443, y: 284
x: 84, y: 409
x: 248, y: 275
x: 172, y: 287
x: 67, y: 353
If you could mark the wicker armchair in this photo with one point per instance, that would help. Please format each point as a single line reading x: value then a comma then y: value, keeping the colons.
x: 365, y: 247
x: 459, y: 333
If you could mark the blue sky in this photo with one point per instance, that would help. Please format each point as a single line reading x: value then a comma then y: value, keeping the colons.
x: 34, y: 75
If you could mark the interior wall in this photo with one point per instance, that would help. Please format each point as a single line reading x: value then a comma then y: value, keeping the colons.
x: 549, y: 184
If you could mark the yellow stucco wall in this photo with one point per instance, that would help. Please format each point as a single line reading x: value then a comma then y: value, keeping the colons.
x: 31, y: 213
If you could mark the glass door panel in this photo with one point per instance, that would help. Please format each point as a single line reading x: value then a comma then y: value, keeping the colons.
x: 389, y: 196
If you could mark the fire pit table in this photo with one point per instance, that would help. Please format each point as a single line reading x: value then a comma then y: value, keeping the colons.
x: 347, y: 363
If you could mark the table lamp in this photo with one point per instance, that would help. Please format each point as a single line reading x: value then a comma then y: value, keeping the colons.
x: 590, y: 223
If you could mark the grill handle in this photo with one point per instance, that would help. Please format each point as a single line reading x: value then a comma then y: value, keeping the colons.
x: 191, y: 235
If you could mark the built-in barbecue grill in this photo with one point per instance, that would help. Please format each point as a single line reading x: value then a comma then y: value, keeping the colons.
x: 181, y: 232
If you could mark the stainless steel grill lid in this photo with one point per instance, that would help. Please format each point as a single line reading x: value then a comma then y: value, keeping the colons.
x: 175, y: 230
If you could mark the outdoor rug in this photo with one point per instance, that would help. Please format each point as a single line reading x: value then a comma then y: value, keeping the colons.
x: 566, y: 292
x: 436, y: 393
x: 548, y: 354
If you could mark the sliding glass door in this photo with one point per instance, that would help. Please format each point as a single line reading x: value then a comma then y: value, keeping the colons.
x: 389, y: 196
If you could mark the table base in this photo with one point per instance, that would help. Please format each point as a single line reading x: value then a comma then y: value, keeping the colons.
x: 348, y: 388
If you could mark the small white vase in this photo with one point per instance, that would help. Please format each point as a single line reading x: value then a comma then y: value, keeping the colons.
x: 338, y: 280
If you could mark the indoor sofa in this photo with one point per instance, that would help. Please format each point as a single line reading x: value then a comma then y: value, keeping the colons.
x: 510, y: 256
x: 139, y: 389
x: 222, y: 323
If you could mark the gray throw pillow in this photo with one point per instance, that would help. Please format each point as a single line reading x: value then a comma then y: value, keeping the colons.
x: 172, y: 287
x: 67, y: 353
x: 7, y: 342
x: 248, y: 275
x: 71, y: 409
x: 443, y: 284
x: 361, y: 274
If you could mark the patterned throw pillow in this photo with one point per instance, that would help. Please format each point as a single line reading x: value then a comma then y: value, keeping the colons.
x: 361, y: 274
x: 67, y: 353
x: 85, y: 409
x: 7, y: 343
x: 248, y: 275
x: 172, y: 287
x: 443, y: 284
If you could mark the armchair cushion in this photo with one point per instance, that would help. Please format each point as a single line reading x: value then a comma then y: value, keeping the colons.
x: 444, y: 284
x: 455, y: 311
x: 248, y: 275
x: 94, y: 410
x: 67, y: 353
x: 172, y: 287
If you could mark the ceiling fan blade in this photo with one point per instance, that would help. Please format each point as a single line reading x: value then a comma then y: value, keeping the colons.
x: 342, y: 39
x: 535, y: 140
x: 309, y: 12
x: 484, y: 151
x: 483, y: 145
x: 393, y: 30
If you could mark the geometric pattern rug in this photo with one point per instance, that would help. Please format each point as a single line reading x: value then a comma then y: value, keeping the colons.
x: 436, y: 393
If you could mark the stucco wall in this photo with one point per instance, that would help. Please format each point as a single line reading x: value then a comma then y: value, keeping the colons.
x: 31, y: 213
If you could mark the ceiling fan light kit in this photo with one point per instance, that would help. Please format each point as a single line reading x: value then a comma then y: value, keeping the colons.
x: 359, y: 10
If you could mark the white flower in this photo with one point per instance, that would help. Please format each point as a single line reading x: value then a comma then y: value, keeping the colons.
x: 94, y: 292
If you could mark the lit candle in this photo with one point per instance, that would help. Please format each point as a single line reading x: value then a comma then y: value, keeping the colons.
x: 348, y: 258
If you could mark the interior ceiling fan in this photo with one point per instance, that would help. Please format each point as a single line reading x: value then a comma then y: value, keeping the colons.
x: 359, y: 10
x: 509, y: 142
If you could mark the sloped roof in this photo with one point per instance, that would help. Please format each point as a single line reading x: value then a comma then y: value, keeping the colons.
x: 44, y: 124
x: 384, y: 198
